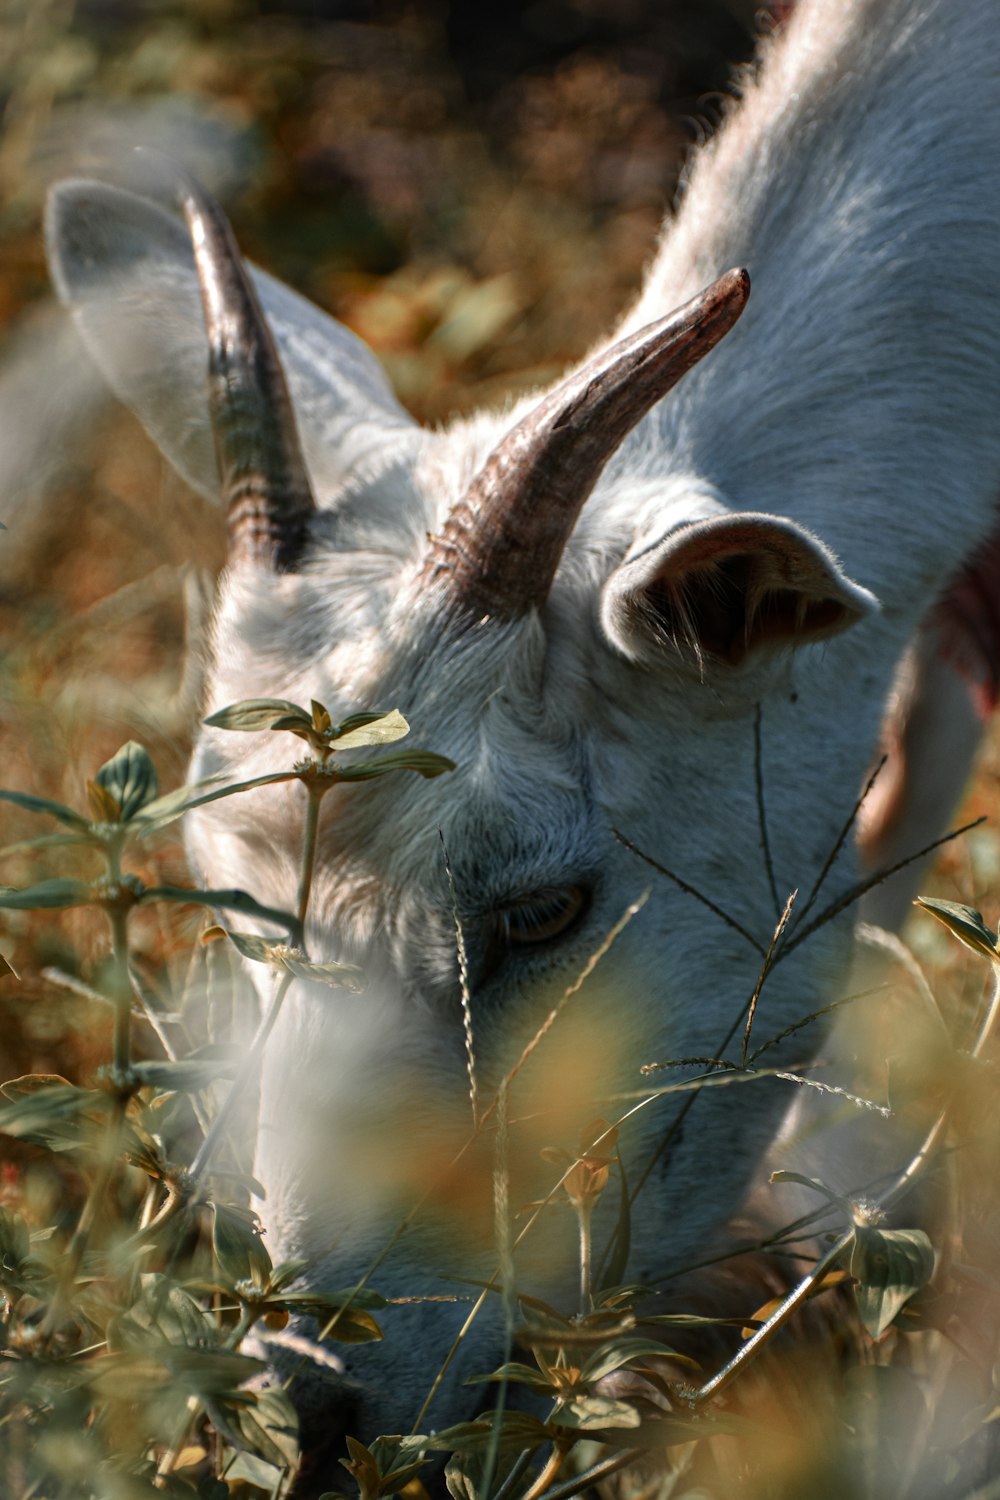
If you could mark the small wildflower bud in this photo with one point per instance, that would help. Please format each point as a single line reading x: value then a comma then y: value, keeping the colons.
x: 866, y: 1213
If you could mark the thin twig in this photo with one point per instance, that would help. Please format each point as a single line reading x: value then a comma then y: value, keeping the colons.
x: 594, y: 1475
x: 502, y: 1222
x: 758, y: 776
x: 687, y: 1062
x: 815, y: 1015
x: 689, y: 890
x: 765, y: 969
x: 902, y: 1183
x: 247, y: 1072
x: 516, y: 1471
x: 839, y: 842
x: 674, y: 1127
x: 864, y: 886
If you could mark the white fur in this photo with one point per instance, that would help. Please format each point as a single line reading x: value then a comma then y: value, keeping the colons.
x: 856, y: 402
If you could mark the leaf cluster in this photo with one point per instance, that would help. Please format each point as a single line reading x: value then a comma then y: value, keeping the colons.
x: 122, y: 1323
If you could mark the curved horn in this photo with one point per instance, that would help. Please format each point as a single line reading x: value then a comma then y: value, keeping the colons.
x: 265, y: 484
x: 501, y: 545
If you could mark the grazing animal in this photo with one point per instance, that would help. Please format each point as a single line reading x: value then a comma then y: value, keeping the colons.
x: 675, y: 596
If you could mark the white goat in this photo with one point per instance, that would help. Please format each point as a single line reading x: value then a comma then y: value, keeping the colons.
x: 631, y: 614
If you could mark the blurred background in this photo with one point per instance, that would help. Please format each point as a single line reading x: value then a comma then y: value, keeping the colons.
x: 473, y: 188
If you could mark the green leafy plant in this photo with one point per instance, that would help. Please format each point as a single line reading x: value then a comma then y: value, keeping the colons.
x: 125, y: 1311
x: 119, y: 1344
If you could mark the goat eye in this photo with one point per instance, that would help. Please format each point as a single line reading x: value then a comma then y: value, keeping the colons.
x: 543, y: 915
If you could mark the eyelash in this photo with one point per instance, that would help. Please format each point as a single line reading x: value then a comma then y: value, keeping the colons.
x: 542, y: 916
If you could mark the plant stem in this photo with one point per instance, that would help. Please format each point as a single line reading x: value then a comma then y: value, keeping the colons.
x: 583, y: 1212
x: 121, y: 1060
x: 121, y: 1053
x: 901, y: 1184
x: 315, y: 792
x: 192, y: 1410
x: 238, y: 1091
x: 548, y: 1472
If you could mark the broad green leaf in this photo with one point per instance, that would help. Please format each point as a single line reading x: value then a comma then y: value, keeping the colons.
x: 346, y: 1325
x: 424, y: 762
x: 690, y: 1320
x: 286, y: 1272
x: 358, y: 721
x: 63, y: 891
x: 465, y: 1473
x: 964, y: 922
x: 43, y: 805
x: 389, y: 1452
x: 265, y: 1477
x: 363, y: 1469
x: 890, y: 1265
x: 378, y: 729
x: 234, y: 900
x: 130, y: 778
x: 253, y: 714
x: 816, y: 1186
x: 18, y: 1268
x: 271, y: 1426
x: 618, y: 1354
x: 337, y: 976
x: 523, y: 1374
x: 518, y: 1430
x: 172, y: 805
x: 187, y: 1076
x: 239, y: 1249
x: 162, y: 1311
x: 51, y: 1114
x: 233, y: 788
x: 48, y: 841
x: 294, y: 725
x: 201, y: 1370
x: 363, y: 1297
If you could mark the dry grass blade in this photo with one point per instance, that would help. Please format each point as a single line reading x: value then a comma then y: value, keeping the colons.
x: 463, y: 982
x: 765, y: 969
x: 573, y: 989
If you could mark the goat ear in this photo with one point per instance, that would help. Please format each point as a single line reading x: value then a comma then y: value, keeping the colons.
x: 723, y: 588
x: 125, y: 269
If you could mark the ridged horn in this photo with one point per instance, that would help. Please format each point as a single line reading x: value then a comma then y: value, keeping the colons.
x: 499, y: 549
x: 265, y: 483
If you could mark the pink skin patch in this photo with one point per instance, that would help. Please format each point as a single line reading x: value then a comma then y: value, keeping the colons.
x: 947, y: 686
x: 968, y: 624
